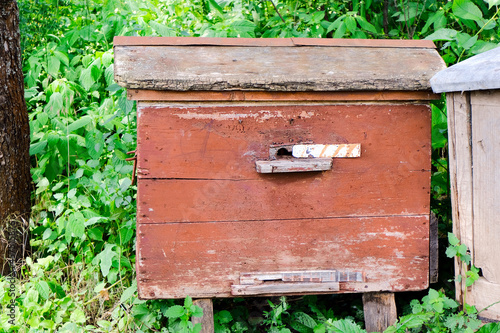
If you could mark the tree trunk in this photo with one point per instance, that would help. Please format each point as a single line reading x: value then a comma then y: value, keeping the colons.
x: 15, y: 178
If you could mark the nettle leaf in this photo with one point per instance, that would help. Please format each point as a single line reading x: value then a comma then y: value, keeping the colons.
x: 198, y: 312
x: 304, y: 319
x: 451, y: 251
x: 453, y: 239
x: 443, y: 34
x: 466, y: 10
x: 244, y: 28
x: 350, y: 24
x: 215, y: 5
x: 43, y: 289
x: 75, y: 226
x: 161, y: 29
x: 87, y: 60
x: 86, y: 78
x: 493, y: 3
x: 224, y: 316
x: 175, y: 311
x: 107, y: 58
x: 340, y: 32
x: 481, y: 46
x: 55, y: 104
x: 95, y: 72
x: 54, y: 64
x: 465, y: 40
x: 490, y: 328
x: 106, y: 258
x: 79, y: 123
x: 365, y: 25
x: 346, y: 326
x: 109, y: 75
x: 78, y: 316
x: 95, y: 233
x: 128, y: 293
x: 37, y: 148
x: 62, y: 57
x: 47, y: 233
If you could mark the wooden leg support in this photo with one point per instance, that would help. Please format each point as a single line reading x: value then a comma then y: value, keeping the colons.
x: 207, y: 321
x: 380, y: 311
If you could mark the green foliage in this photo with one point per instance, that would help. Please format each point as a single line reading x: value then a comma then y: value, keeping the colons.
x: 179, y: 317
x: 274, y: 318
x: 436, y: 313
x: 81, y: 276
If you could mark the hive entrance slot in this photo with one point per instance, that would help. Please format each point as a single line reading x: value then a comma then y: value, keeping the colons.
x: 283, y: 153
x: 266, y: 283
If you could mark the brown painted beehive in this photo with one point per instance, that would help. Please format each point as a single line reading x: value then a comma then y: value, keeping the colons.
x: 280, y: 166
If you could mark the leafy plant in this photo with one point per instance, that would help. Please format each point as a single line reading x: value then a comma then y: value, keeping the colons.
x: 81, y: 276
x: 274, y: 318
x: 179, y: 316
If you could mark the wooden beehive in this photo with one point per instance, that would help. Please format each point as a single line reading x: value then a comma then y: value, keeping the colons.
x: 214, y: 115
x: 473, y: 102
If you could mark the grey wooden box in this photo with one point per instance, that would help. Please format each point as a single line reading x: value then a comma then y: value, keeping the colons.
x: 473, y: 99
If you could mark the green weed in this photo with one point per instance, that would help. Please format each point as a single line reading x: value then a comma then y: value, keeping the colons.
x: 81, y: 275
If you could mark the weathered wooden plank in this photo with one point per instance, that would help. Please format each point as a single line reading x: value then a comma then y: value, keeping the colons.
x: 279, y: 42
x: 460, y: 160
x: 204, y: 259
x: 207, y: 321
x: 297, y: 96
x: 379, y: 310
x: 223, y: 142
x: 484, y: 294
x: 282, y: 196
x: 284, y: 288
x: 433, y: 248
x: 293, y: 165
x: 305, y: 68
x: 477, y: 73
x: 486, y: 182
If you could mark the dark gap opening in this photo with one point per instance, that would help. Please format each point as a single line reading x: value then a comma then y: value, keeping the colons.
x: 283, y: 152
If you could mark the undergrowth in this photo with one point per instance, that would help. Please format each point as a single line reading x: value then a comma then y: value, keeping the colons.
x: 81, y: 277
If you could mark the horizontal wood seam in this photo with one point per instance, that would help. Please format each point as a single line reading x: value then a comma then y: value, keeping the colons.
x: 280, y: 96
x: 291, y: 219
x: 273, y: 42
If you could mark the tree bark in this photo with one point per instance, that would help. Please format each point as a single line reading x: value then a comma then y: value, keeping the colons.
x: 15, y: 178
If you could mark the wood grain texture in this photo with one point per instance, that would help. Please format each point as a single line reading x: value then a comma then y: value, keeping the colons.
x: 207, y: 321
x: 223, y: 142
x: 433, y: 249
x: 460, y: 164
x: 477, y: 73
x: 191, y: 160
x: 278, y: 196
x: 204, y: 259
x: 296, y: 96
x: 379, y: 310
x: 278, y: 42
x: 267, y: 68
x: 293, y: 165
x: 282, y: 288
x: 486, y: 182
x: 484, y: 294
